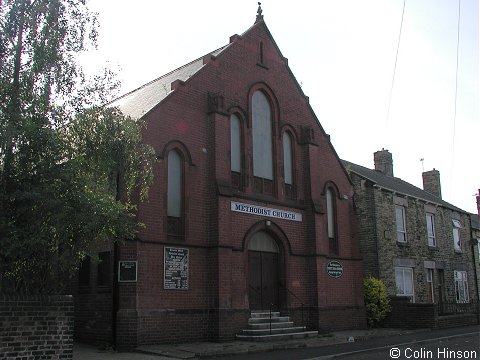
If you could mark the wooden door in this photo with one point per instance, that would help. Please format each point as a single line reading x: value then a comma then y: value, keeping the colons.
x: 269, y: 280
x: 255, y: 280
x: 263, y: 280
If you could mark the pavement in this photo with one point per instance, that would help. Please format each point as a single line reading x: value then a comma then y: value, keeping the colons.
x: 210, y: 349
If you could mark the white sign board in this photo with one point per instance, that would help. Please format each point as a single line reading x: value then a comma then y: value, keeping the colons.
x: 334, y: 269
x: 175, y: 268
x: 264, y: 211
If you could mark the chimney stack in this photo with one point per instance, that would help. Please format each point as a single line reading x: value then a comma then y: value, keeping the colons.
x: 478, y: 202
x: 431, y: 182
x: 383, y: 162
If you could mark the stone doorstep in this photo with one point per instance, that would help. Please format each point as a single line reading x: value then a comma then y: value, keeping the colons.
x: 263, y: 320
x: 273, y: 330
x: 282, y: 336
x: 287, y: 324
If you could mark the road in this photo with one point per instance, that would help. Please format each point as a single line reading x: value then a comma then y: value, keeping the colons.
x: 458, y: 347
x: 456, y: 343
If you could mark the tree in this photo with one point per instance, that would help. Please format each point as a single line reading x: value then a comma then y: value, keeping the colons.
x: 69, y: 167
x: 377, y: 302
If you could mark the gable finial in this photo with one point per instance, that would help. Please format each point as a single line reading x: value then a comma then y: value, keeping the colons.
x: 259, y: 12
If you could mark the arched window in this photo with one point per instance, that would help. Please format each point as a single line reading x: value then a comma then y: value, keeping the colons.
x: 262, y: 143
x: 288, y: 164
x: 175, y: 195
x: 235, y: 150
x: 332, y: 222
x: 264, y: 242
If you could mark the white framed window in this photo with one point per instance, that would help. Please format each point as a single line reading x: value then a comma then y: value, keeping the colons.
x: 461, y: 286
x: 456, y: 235
x: 430, y: 287
x: 401, y: 226
x: 404, y: 282
x: 432, y: 241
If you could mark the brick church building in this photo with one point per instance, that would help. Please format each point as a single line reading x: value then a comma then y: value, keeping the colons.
x: 250, y: 209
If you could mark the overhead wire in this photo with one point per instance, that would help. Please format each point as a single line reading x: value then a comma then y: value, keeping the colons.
x: 456, y: 96
x: 395, y: 66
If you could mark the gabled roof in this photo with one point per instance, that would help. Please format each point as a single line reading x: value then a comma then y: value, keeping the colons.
x: 397, y: 185
x: 140, y: 101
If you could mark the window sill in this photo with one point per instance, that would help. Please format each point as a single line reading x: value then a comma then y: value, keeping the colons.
x: 403, y: 244
x: 409, y: 297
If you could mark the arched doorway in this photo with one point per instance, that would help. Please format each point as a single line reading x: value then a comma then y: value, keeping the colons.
x: 263, y: 271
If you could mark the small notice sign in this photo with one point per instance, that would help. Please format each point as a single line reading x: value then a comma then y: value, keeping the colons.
x: 127, y: 271
x: 175, y: 268
x: 334, y: 269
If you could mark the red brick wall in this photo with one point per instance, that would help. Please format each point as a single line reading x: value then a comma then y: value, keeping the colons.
x: 36, y: 327
x: 93, y: 317
x: 215, y: 304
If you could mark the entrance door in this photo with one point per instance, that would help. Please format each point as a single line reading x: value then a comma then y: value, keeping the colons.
x: 441, y: 286
x: 263, y: 263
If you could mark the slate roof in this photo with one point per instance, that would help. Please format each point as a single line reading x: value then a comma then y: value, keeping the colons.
x: 397, y: 185
x: 140, y: 101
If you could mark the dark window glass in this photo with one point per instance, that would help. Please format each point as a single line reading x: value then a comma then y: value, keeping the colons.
x: 331, y: 222
x: 104, y: 269
x: 84, y: 272
x: 174, y: 197
x: 262, y: 137
x: 235, y: 144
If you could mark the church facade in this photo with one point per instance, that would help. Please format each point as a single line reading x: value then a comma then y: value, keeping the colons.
x: 250, y: 207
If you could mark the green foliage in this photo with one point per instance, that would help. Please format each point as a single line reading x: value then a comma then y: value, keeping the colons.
x: 376, y: 300
x: 68, y: 167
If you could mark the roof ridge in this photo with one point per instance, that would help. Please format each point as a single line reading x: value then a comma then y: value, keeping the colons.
x: 434, y: 199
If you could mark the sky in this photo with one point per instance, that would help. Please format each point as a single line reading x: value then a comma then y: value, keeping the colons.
x: 343, y: 54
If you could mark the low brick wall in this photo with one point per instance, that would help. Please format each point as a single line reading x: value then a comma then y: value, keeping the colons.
x: 36, y: 327
x: 416, y: 315
x: 341, y: 318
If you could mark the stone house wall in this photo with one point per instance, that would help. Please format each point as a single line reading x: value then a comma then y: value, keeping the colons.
x: 375, y: 208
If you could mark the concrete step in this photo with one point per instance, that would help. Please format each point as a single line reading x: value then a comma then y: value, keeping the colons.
x: 261, y: 320
x: 282, y: 330
x: 264, y: 314
x: 275, y: 325
x: 299, y: 335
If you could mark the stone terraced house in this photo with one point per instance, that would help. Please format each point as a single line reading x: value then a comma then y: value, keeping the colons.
x: 417, y: 243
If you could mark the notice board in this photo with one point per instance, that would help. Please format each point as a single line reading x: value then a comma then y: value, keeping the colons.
x: 127, y: 271
x: 176, y: 263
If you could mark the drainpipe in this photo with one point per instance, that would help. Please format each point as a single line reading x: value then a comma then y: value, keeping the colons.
x: 115, y: 290
x: 115, y: 294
